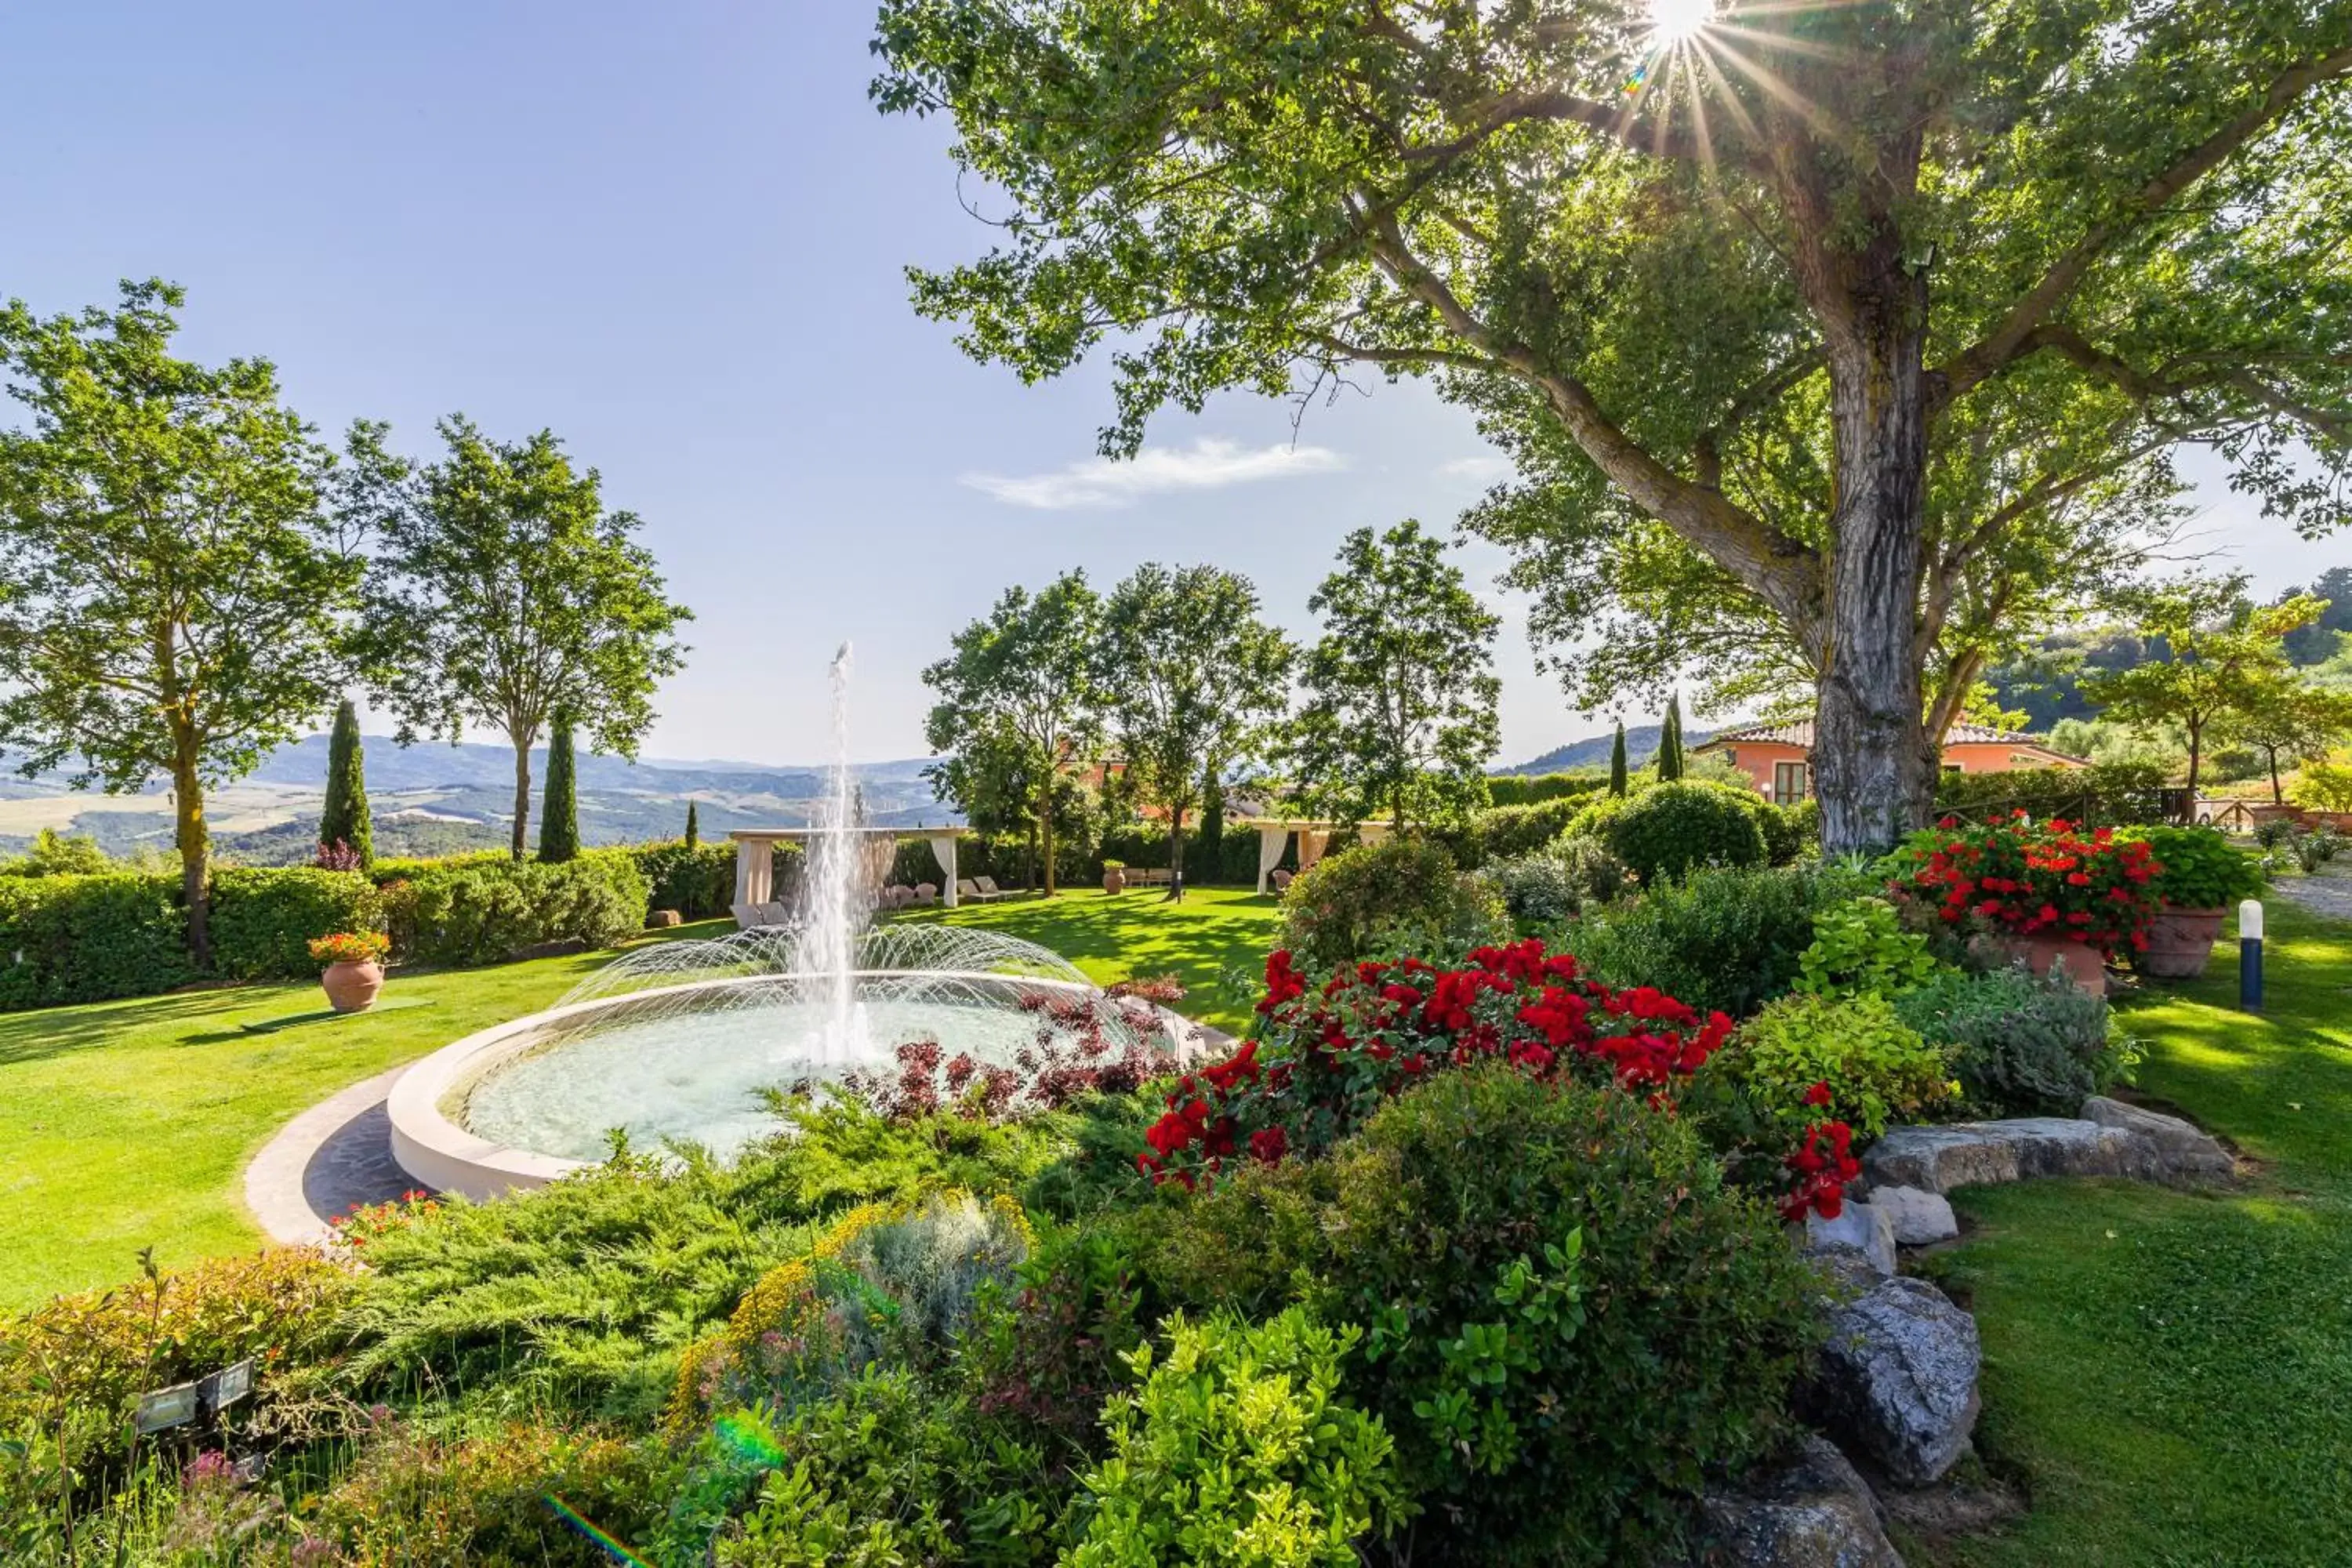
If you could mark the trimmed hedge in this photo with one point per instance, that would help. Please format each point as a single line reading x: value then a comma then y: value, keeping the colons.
x: 699, y: 880
x: 89, y: 938
x: 487, y: 914
x: 1506, y: 832
x: 1533, y: 789
x: 263, y: 919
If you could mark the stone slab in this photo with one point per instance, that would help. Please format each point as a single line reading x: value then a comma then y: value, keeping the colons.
x: 1919, y: 1218
x: 1982, y: 1153
x: 1811, y: 1511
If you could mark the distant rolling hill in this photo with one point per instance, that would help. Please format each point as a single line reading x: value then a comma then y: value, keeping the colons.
x: 1592, y: 752
x: 431, y: 799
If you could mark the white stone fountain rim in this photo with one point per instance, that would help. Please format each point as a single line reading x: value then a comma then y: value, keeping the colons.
x: 446, y: 1157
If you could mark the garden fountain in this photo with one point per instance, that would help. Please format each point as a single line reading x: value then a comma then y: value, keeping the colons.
x: 681, y: 1041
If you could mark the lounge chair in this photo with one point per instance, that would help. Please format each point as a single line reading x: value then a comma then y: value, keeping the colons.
x: 777, y: 913
x: 989, y: 891
x: 1281, y: 881
x: 746, y: 915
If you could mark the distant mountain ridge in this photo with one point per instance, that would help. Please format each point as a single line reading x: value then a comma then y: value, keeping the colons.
x: 433, y: 798
x: 1592, y: 752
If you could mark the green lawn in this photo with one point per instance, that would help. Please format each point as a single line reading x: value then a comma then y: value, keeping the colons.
x: 1139, y: 933
x: 130, y: 1123
x: 2168, y: 1375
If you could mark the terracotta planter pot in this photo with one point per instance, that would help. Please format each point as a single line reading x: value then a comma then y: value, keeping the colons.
x: 2180, y: 943
x: 2077, y: 960
x: 351, y: 987
x: 1114, y: 879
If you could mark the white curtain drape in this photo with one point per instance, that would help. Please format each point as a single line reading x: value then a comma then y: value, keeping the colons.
x: 1271, y: 842
x: 944, y: 851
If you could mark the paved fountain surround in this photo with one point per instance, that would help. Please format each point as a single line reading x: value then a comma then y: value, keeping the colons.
x: 425, y: 1104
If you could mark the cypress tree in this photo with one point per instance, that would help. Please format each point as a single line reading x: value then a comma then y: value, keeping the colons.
x: 1617, y: 782
x: 693, y: 828
x: 558, y: 812
x: 344, y: 817
x: 1670, y: 740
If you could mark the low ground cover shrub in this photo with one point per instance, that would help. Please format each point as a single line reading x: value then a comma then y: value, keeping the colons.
x: 1537, y: 891
x: 1354, y: 902
x: 1854, y: 1059
x: 1664, y: 831
x: 488, y: 913
x: 1861, y: 947
x: 1569, y: 1316
x: 2024, y: 878
x: 1721, y: 939
x: 89, y: 938
x: 2202, y: 869
x: 2022, y: 1043
x: 1237, y: 1448
x: 263, y: 919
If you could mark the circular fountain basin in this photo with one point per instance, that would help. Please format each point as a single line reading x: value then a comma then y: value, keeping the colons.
x: 521, y: 1103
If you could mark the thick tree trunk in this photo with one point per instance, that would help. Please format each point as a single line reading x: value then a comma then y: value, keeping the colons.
x: 522, y: 797
x: 1874, y: 764
x: 2278, y: 792
x: 1176, y: 855
x: 1045, y: 835
x: 193, y: 838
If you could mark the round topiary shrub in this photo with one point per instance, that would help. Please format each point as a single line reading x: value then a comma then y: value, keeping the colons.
x: 1663, y: 831
x: 1349, y: 904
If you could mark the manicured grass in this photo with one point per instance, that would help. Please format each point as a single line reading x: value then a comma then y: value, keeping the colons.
x: 129, y: 1124
x: 2168, y: 1375
x: 1139, y: 933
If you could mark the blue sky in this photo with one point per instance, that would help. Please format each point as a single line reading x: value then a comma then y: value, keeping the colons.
x: 675, y: 236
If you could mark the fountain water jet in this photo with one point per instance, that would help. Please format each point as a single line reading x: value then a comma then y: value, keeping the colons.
x: 681, y: 1040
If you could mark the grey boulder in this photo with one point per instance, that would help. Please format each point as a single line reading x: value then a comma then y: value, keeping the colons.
x: 1864, y: 1227
x: 1917, y: 1218
x: 1810, y: 1512
x: 2185, y: 1150
x: 1898, y: 1380
x: 1978, y: 1154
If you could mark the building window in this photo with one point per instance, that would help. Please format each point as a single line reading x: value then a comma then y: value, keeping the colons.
x: 1789, y: 783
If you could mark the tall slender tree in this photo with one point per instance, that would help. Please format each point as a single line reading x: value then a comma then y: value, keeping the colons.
x: 1192, y: 679
x: 1401, y: 691
x: 1018, y: 708
x: 1751, y: 298
x: 693, y: 828
x: 559, y: 821
x: 504, y: 592
x: 343, y: 818
x: 1670, y: 740
x: 1617, y: 781
x: 172, y: 570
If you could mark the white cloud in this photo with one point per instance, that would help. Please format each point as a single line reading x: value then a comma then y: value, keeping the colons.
x: 1486, y: 469
x: 1207, y: 464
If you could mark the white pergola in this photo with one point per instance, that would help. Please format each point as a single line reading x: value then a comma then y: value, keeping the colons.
x: 1314, y: 832
x: 755, y: 855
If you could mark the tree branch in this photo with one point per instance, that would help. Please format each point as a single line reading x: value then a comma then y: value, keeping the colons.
x: 2009, y: 339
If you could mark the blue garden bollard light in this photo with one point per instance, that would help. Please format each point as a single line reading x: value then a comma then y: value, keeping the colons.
x: 2250, y: 956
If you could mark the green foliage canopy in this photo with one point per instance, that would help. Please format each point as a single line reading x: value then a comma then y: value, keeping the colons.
x: 173, y: 566
x: 1751, y: 300
x: 1191, y: 677
x: 1400, y: 691
x: 504, y: 592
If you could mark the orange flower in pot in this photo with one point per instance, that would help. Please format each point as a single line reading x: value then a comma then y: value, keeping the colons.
x: 354, y: 967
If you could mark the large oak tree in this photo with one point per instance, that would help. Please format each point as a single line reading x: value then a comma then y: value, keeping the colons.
x: 1808, y: 237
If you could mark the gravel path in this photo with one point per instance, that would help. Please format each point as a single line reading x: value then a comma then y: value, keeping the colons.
x: 2327, y: 894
